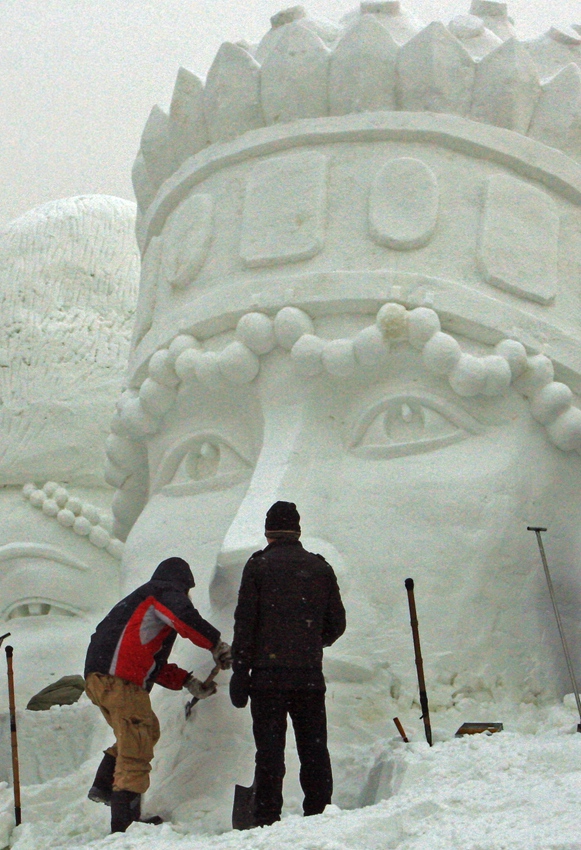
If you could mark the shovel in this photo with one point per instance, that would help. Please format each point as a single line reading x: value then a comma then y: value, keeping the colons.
x: 243, y: 808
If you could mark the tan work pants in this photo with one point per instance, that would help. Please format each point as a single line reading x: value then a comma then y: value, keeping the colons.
x: 127, y: 709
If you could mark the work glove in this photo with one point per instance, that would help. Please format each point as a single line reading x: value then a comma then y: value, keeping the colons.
x: 239, y: 688
x: 222, y: 655
x: 198, y: 689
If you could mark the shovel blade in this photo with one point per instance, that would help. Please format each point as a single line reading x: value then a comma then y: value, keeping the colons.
x: 243, y: 808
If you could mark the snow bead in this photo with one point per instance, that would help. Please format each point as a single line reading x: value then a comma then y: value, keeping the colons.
x: 498, y: 375
x: 38, y: 498
x: 60, y: 496
x: 538, y: 374
x: 28, y: 490
x: 423, y: 323
x: 392, y: 321
x: 75, y: 506
x: 565, y: 431
x: 208, y: 370
x: 515, y: 354
x: 290, y: 324
x: 66, y: 518
x: 307, y: 353
x: 181, y: 343
x: 136, y: 421
x: 468, y: 377
x: 238, y: 364
x: 106, y: 522
x: 121, y: 451
x: 82, y: 526
x: 256, y: 331
x: 115, y: 548
x: 50, y: 487
x: 550, y: 401
x: 156, y: 399
x: 50, y: 507
x: 185, y: 364
x: 370, y: 347
x: 91, y: 513
x: 441, y: 353
x: 161, y: 368
x: 99, y: 537
x: 339, y: 358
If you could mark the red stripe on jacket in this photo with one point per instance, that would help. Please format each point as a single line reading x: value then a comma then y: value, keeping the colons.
x: 134, y: 660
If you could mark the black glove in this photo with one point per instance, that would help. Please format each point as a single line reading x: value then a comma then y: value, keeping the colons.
x: 239, y: 688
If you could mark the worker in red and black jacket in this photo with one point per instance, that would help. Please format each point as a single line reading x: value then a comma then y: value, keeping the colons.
x: 127, y: 655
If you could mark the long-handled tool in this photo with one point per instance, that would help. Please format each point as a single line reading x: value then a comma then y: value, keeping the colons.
x: 558, y: 618
x: 194, y: 700
x: 409, y: 586
x: 13, y: 738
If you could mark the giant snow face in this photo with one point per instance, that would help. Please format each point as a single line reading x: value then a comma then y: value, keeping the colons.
x: 68, y: 279
x: 394, y: 474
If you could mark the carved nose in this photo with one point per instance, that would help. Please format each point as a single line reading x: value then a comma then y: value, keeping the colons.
x: 267, y: 485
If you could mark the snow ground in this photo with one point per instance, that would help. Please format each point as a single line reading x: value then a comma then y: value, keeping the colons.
x: 516, y: 790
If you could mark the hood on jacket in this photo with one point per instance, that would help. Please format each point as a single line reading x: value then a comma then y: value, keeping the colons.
x: 175, y: 571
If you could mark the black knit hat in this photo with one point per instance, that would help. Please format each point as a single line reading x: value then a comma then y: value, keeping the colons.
x: 282, y: 518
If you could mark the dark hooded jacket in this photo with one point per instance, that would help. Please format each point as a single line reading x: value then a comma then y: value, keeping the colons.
x: 136, y: 637
x: 289, y: 608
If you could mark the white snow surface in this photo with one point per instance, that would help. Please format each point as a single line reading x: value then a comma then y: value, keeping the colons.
x: 520, y: 788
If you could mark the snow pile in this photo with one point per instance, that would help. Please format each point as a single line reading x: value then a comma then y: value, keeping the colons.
x: 509, y: 790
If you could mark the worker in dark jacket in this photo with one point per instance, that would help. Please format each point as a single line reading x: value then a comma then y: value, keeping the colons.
x: 289, y: 608
x: 127, y: 655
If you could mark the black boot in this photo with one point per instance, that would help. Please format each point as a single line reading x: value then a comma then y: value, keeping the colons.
x: 125, y: 808
x: 102, y: 786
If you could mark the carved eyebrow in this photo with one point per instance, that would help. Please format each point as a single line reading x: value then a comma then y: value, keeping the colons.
x: 12, y: 551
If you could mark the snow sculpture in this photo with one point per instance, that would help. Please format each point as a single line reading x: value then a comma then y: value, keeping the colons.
x: 68, y: 275
x: 383, y: 327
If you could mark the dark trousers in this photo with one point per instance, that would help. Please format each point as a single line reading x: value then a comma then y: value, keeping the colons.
x: 269, y: 720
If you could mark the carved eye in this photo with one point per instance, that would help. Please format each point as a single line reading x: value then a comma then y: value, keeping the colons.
x: 409, y: 424
x: 200, y: 463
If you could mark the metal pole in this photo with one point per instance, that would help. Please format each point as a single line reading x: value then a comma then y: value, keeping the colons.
x: 409, y: 584
x: 13, y: 738
x: 558, y: 618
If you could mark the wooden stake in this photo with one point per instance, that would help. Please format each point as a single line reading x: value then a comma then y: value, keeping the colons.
x: 13, y: 738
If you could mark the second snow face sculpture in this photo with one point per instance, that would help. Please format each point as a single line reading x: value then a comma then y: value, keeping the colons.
x: 375, y: 315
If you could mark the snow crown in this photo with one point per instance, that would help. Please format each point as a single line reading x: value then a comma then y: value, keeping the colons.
x: 379, y: 58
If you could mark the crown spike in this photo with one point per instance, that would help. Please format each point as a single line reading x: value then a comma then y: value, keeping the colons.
x: 294, y: 77
x: 188, y: 129
x: 557, y: 118
x: 232, y: 94
x: 435, y: 72
x: 156, y: 148
x: 362, y: 69
x: 506, y: 88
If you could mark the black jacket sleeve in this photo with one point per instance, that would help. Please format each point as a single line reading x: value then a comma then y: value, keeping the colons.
x: 246, y: 618
x: 334, y: 623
